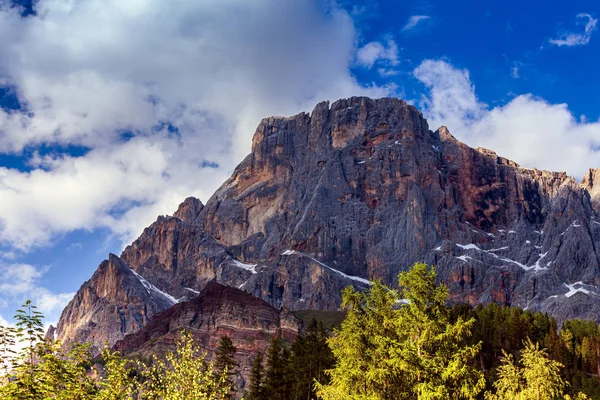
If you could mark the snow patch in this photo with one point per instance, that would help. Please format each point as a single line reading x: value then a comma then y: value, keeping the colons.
x: 468, y: 246
x: 498, y: 249
x: 537, y: 266
x: 439, y: 248
x: 191, y: 290
x: 464, y: 258
x: 573, y: 290
x: 151, y: 288
x: 351, y: 277
x: 512, y: 231
x: 247, y: 267
x: 528, y: 242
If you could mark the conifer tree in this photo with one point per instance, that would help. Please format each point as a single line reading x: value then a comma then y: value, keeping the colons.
x: 276, y: 385
x: 403, y: 345
x: 225, y: 362
x: 255, y: 391
x: 310, y: 357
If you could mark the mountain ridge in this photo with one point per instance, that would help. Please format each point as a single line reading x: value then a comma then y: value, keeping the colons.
x: 358, y: 190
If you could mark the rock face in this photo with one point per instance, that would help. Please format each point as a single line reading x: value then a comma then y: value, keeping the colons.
x: 217, y: 311
x: 355, y: 191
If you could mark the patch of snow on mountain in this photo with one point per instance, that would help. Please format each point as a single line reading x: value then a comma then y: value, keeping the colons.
x: 151, y: 288
x: 468, y: 246
x: 247, y: 267
x: 351, y: 277
x: 573, y: 290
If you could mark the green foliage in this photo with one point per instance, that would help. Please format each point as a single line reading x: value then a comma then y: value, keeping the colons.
x: 184, y: 375
x: 310, y: 357
x: 403, y: 345
x: 276, y: 385
x: 44, y: 370
x: 225, y: 362
x: 539, y: 377
x: 257, y: 372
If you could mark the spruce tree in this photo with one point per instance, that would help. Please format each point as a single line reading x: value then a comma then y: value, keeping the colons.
x: 276, y: 386
x: 310, y: 357
x: 255, y: 391
x: 225, y: 362
x: 403, y: 345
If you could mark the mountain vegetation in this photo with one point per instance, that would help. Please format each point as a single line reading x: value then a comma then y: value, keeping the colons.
x: 404, y: 343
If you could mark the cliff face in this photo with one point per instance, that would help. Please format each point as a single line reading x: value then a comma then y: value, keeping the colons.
x: 361, y: 190
x: 217, y: 311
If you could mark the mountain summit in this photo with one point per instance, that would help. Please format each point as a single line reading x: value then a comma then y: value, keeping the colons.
x: 355, y: 191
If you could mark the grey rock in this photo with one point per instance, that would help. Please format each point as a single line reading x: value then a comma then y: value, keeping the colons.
x: 360, y: 190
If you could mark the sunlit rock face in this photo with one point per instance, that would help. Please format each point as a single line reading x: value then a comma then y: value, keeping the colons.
x: 355, y: 191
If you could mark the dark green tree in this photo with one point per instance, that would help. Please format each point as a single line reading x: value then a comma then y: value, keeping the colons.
x: 225, y: 361
x: 257, y: 372
x: 277, y: 385
x: 310, y: 357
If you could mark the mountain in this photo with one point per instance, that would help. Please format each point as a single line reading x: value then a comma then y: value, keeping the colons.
x: 355, y: 191
x: 217, y: 311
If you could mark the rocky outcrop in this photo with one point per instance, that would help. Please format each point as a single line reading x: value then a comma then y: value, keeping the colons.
x: 360, y: 190
x: 217, y: 311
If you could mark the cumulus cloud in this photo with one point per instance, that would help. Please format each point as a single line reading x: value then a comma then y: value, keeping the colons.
x: 19, y: 282
x: 414, y: 20
x: 162, y: 96
x: 376, y: 52
x: 529, y: 130
x: 571, y: 39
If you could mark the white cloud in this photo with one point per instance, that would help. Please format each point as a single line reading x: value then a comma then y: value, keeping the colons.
x: 528, y: 130
x: 577, y: 39
x: 375, y: 52
x: 90, y: 71
x: 19, y: 282
x: 414, y: 20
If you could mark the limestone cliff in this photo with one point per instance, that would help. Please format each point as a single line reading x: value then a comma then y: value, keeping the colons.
x: 359, y: 190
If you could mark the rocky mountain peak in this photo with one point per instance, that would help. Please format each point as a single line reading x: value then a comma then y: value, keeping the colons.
x: 189, y: 209
x: 355, y: 191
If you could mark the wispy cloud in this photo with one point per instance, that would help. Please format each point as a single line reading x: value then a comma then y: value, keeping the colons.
x: 526, y: 122
x: 571, y: 39
x: 19, y: 282
x: 414, y: 21
x: 376, y: 53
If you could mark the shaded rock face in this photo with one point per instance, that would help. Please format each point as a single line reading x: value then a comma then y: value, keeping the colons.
x: 361, y: 190
x: 217, y: 311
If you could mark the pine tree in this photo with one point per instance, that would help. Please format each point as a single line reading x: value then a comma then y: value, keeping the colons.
x: 539, y: 378
x: 225, y: 362
x: 276, y: 385
x: 310, y: 357
x: 256, y: 378
x: 402, y: 345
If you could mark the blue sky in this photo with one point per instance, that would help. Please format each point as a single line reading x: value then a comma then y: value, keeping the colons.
x: 112, y: 112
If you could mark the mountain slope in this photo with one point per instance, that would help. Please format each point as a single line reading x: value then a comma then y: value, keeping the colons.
x: 360, y: 191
